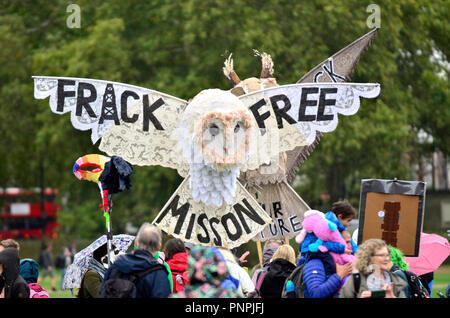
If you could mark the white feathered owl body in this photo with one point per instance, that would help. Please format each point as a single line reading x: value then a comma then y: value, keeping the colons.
x: 214, y: 137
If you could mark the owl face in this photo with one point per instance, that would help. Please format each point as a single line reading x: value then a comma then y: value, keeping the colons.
x: 216, y: 129
x: 224, y: 137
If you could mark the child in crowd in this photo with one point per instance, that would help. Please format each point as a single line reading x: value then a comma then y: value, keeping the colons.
x: 342, y: 213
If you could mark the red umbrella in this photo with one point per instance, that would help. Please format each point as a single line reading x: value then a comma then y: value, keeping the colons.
x: 433, y: 251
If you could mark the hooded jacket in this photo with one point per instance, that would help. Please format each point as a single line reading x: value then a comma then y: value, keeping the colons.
x: 320, y: 281
x: 178, y: 265
x: 15, y: 286
x: 272, y: 284
x: 268, y: 252
x: 152, y: 285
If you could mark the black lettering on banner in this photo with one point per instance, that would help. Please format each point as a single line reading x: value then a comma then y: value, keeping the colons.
x: 281, y: 113
x: 277, y: 208
x: 316, y: 77
x: 203, y: 239
x: 124, y: 106
x: 304, y: 102
x: 180, y: 212
x: 109, y: 109
x: 296, y: 226
x: 83, y: 101
x: 282, y: 227
x: 218, y: 239
x: 148, y: 113
x: 62, y: 94
x: 325, y: 102
x: 263, y: 206
x: 271, y: 231
x: 260, y: 117
x: 224, y: 220
x: 250, y: 212
x: 190, y: 227
x: 330, y: 71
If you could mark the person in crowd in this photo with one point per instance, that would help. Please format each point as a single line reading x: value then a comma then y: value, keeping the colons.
x: 342, y: 213
x: 63, y: 261
x: 398, y: 265
x: 372, y: 261
x: 281, y: 266
x: 427, y: 281
x: 9, y: 243
x: 92, y: 279
x: 207, y: 270
x: 12, y: 285
x: 73, y: 248
x: 154, y: 284
x: 270, y: 247
x: 188, y: 246
x: 239, y: 276
x: 242, y: 259
x: 29, y: 270
x: 177, y: 259
x: 48, y: 267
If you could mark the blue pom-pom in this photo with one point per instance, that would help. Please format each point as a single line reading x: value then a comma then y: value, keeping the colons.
x: 332, y: 226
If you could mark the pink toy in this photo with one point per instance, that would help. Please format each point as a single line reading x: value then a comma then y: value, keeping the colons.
x: 315, y: 222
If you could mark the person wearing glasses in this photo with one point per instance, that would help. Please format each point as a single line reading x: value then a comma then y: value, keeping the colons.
x: 372, y: 278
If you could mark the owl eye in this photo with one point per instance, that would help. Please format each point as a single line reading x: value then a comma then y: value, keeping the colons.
x: 213, y: 130
x: 237, y: 127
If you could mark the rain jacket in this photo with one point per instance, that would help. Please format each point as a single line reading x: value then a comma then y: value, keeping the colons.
x: 152, y: 285
x: 319, y: 275
x: 14, y: 285
x: 272, y: 284
x: 178, y: 265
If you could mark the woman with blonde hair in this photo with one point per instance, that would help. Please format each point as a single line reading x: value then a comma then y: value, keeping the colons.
x: 280, y: 267
x: 373, y: 278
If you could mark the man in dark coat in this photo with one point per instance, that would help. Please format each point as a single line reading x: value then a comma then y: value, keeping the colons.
x: 12, y: 285
x: 153, y: 285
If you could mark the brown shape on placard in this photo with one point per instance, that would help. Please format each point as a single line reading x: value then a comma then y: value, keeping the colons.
x: 390, y: 225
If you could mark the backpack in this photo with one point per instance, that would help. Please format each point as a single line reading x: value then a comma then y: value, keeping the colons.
x: 416, y: 286
x: 36, y: 291
x: 256, y: 293
x: 297, y: 278
x: 29, y: 269
x: 117, y: 287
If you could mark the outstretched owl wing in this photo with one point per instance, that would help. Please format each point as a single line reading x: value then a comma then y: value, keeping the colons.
x: 297, y: 112
x: 336, y: 69
x: 132, y: 122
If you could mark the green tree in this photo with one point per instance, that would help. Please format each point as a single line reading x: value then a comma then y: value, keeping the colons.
x: 178, y: 47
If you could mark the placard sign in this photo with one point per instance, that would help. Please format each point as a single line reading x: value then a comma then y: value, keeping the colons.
x: 228, y: 226
x: 392, y: 210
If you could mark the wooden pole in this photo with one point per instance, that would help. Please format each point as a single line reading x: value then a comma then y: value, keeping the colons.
x: 258, y: 245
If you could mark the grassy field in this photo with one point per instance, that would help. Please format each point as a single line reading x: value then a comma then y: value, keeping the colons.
x: 441, y: 280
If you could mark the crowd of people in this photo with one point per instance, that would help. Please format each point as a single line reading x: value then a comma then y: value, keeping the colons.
x: 322, y: 269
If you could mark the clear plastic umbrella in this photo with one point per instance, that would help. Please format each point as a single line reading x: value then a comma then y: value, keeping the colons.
x: 75, y: 272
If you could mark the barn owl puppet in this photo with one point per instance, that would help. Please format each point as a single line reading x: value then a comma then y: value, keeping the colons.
x: 209, y: 140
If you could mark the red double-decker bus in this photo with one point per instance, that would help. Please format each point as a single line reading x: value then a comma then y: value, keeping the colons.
x: 21, y: 213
